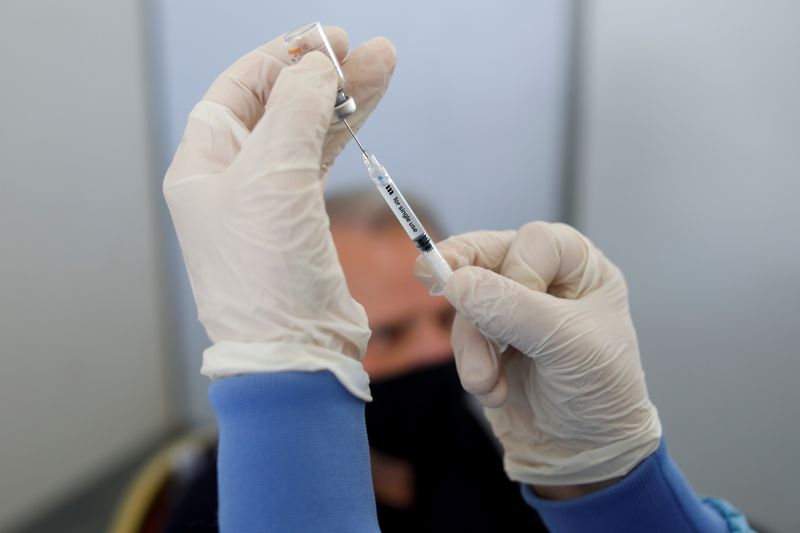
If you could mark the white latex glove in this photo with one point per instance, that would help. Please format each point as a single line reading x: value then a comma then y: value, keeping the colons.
x: 246, y: 195
x: 567, y: 399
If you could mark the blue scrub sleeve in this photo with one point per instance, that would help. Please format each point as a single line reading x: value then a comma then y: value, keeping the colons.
x: 293, y: 455
x: 653, y: 497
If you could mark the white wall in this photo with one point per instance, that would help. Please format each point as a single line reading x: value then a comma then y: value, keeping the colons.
x: 473, y: 118
x: 81, y: 351
x: 689, y: 179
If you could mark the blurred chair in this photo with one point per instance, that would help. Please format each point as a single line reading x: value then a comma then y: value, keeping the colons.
x: 175, y: 490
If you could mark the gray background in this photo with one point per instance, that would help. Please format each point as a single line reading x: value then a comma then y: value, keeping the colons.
x: 82, y: 345
x: 674, y: 130
x: 689, y: 175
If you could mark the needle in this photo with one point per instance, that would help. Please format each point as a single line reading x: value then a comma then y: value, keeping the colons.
x: 363, y: 151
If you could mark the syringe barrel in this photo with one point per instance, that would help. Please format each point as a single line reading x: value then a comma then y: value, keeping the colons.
x: 405, y: 215
x: 411, y: 224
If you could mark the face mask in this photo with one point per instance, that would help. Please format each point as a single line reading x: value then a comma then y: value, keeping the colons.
x: 423, y: 419
x: 416, y: 416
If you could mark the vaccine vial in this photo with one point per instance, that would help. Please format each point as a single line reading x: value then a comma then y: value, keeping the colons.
x: 311, y: 38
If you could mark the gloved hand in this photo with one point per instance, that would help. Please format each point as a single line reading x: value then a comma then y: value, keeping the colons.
x: 567, y: 398
x: 245, y: 193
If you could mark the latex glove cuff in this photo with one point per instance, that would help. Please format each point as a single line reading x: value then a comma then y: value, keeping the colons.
x: 228, y: 358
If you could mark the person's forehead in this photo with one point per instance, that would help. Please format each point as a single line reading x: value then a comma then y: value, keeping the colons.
x: 373, y: 256
x: 378, y: 265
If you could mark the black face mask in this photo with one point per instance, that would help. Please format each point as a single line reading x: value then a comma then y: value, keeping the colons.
x: 423, y: 418
x: 417, y: 415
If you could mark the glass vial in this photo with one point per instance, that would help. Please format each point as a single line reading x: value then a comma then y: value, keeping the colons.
x: 309, y: 38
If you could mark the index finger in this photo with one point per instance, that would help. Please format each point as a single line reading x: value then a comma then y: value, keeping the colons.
x: 486, y: 249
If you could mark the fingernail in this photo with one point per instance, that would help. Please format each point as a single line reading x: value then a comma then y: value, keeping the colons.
x: 425, y: 278
x: 423, y: 271
x: 450, y: 291
x: 390, y: 51
x: 381, y: 53
x: 437, y: 289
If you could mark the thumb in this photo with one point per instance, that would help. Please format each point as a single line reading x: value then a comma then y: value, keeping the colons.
x: 290, y: 135
x: 503, y: 310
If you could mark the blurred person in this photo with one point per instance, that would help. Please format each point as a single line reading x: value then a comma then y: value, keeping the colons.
x: 422, y: 428
x: 542, y: 335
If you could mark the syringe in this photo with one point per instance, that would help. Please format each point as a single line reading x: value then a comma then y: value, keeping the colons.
x: 405, y: 215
